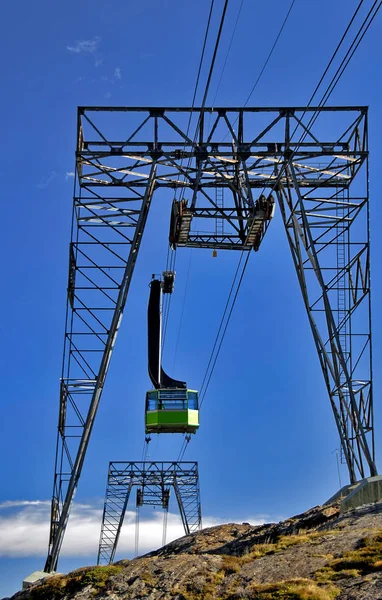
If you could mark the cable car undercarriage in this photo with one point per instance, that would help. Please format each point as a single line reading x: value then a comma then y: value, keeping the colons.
x: 253, y: 221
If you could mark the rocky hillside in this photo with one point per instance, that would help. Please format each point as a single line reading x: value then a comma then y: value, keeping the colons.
x: 319, y: 555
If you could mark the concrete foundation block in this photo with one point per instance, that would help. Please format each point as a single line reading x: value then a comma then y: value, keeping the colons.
x: 35, y: 578
x: 368, y: 491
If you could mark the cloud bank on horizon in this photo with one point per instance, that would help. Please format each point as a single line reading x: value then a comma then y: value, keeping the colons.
x: 24, y: 529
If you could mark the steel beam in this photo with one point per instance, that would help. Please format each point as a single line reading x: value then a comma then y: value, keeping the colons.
x: 152, y: 479
x: 314, y: 159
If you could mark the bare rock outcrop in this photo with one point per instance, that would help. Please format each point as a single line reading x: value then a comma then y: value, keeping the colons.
x: 318, y: 555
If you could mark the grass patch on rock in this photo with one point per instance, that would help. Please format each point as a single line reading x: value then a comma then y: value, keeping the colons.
x: 365, y: 559
x: 59, y: 586
x: 297, y: 589
x: 233, y: 563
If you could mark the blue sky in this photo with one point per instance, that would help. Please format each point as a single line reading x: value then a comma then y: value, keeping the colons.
x: 266, y: 445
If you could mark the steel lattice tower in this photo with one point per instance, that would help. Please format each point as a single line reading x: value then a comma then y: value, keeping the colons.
x: 153, y: 479
x: 319, y: 174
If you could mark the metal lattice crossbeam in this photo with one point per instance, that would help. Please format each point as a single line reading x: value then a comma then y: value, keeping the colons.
x: 313, y: 160
x: 152, y: 478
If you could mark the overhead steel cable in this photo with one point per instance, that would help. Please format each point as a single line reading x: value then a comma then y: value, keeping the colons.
x: 228, y: 51
x: 340, y: 70
x: 218, y: 344
x: 267, y: 59
x: 186, y: 441
x: 183, y: 307
x: 210, y: 72
x: 182, y: 449
x: 329, y: 90
x: 172, y: 260
x: 221, y: 24
x: 198, y: 125
x: 221, y: 322
x: 325, y: 96
x: 335, y: 53
x: 215, y: 358
x: 348, y: 56
x: 170, y: 256
x: 206, y: 90
x: 199, y: 70
x: 208, y: 82
x: 336, y: 77
x: 270, y: 53
x: 167, y: 305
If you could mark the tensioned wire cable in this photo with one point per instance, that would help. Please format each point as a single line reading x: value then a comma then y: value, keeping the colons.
x: 348, y: 56
x: 198, y: 77
x: 344, y: 63
x: 171, y: 257
x: 190, y: 256
x: 261, y: 72
x: 210, y: 72
x: 228, y: 51
x: 172, y: 260
x: 324, y: 99
x: 205, y: 95
x: 222, y: 321
x: 270, y: 53
x: 211, y: 69
x: 335, y: 79
x: 213, y: 359
x: 217, y: 344
x: 183, y: 307
x: 225, y: 329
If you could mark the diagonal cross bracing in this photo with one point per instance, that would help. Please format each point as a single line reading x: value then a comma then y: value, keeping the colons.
x: 318, y: 173
x: 152, y: 478
x: 328, y: 234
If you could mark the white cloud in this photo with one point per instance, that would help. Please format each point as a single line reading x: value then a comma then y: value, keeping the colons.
x: 18, y: 503
x: 98, y: 61
x: 85, y: 45
x: 117, y: 73
x: 69, y: 174
x: 24, y: 529
x: 46, y: 181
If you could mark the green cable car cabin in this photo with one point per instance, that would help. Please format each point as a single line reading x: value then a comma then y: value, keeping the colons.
x: 170, y: 407
x: 172, y: 411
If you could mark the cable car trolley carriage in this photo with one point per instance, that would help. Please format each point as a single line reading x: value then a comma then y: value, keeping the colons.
x: 170, y: 407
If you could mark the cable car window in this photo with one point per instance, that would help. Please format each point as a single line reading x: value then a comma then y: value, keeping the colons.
x: 193, y: 400
x: 152, y: 404
x: 176, y: 404
x: 152, y: 401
